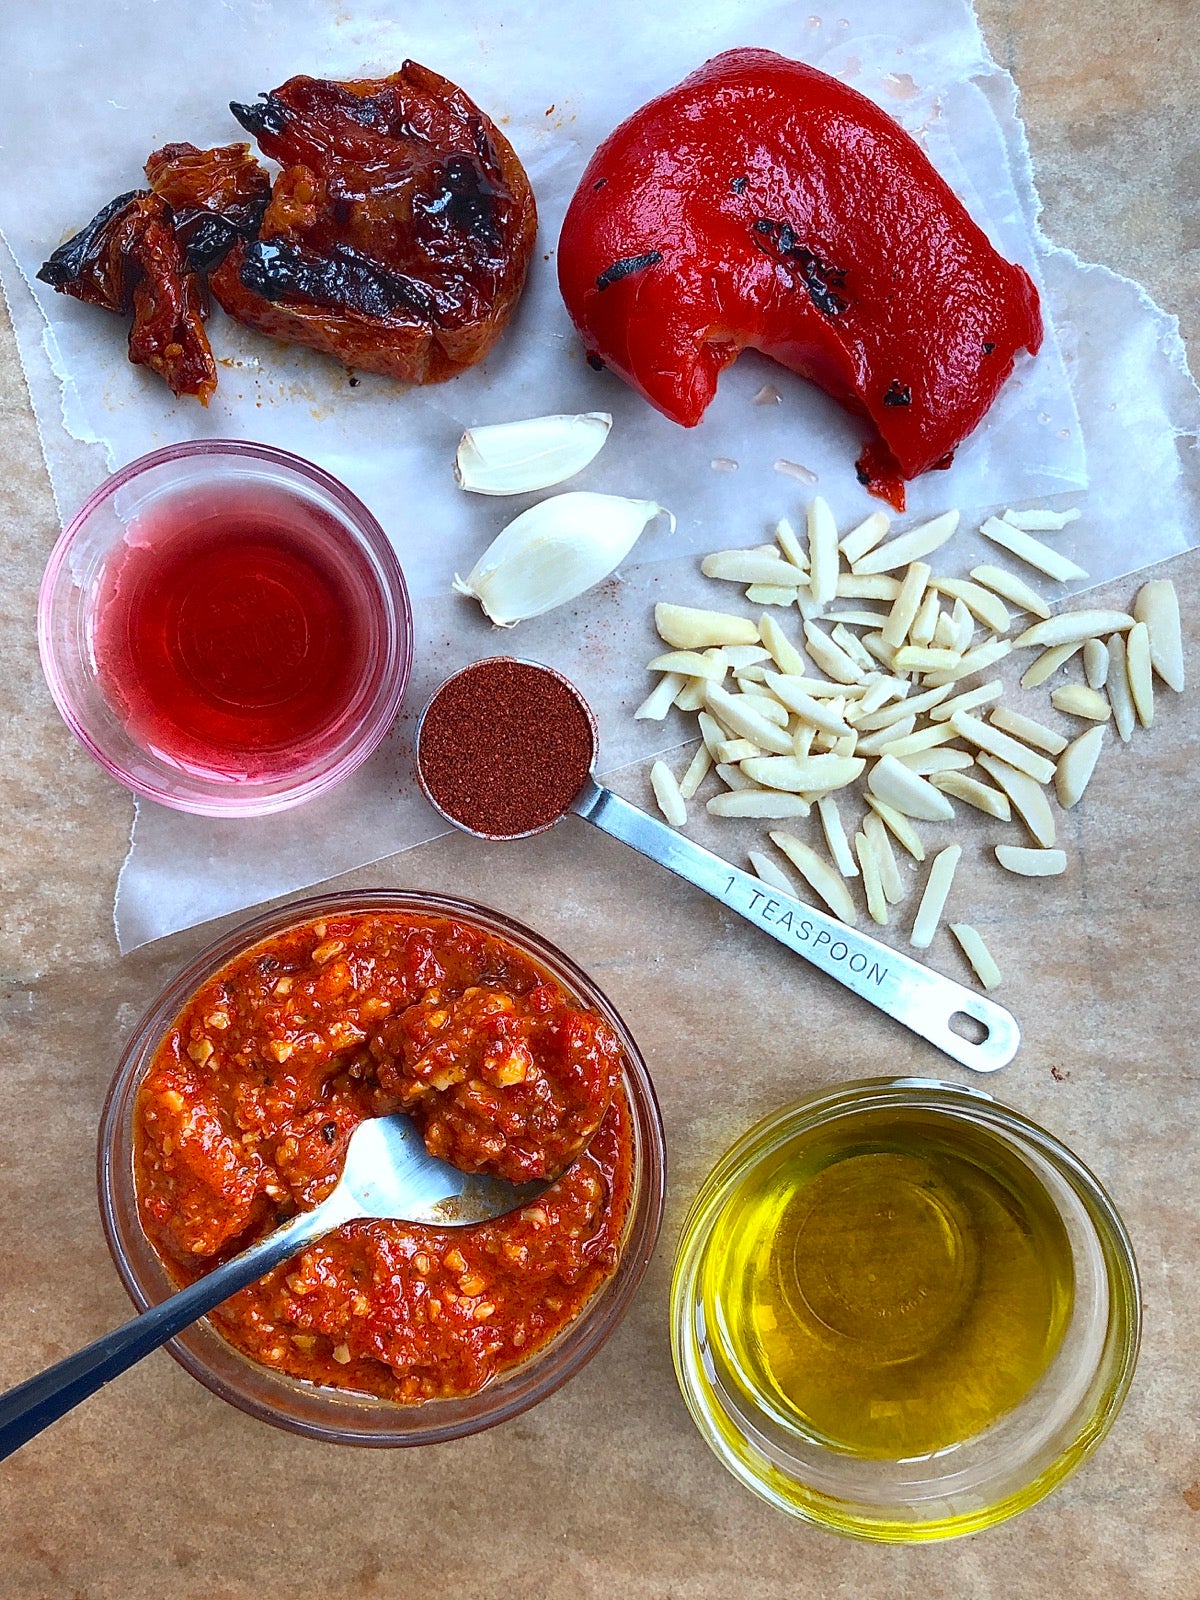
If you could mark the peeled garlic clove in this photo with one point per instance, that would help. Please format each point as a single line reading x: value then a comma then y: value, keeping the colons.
x: 517, y: 457
x: 554, y: 551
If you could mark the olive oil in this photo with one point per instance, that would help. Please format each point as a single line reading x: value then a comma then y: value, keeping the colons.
x: 889, y: 1285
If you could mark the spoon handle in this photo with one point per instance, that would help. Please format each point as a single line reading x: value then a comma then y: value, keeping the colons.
x: 41, y: 1400
x: 915, y: 995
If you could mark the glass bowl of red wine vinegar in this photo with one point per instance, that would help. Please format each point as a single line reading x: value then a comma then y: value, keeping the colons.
x: 225, y: 628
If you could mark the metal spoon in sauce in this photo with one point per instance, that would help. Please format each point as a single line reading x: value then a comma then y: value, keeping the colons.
x: 388, y: 1175
x: 505, y: 737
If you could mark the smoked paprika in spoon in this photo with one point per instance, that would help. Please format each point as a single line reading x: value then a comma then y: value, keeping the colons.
x: 506, y: 748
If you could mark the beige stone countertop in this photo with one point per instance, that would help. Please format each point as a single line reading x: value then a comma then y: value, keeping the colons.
x: 155, y: 1490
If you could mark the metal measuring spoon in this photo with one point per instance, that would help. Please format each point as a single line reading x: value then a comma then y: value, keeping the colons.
x: 923, y: 1000
x: 388, y: 1175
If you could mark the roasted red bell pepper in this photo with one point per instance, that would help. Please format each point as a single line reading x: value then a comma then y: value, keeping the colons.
x: 762, y: 203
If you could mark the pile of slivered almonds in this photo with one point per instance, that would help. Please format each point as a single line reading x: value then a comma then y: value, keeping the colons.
x: 880, y: 694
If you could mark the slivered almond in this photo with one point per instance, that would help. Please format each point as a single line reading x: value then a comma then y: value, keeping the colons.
x: 1028, y: 797
x: 783, y: 652
x: 976, y: 660
x: 898, y: 825
x: 1031, y: 551
x: 977, y: 953
x: 924, y: 658
x: 927, y: 762
x: 906, y: 605
x: 789, y: 544
x: 998, y: 743
x: 872, y: 744
x: 765, y: 594
x: 819, y: 876
x: 831, y: 658
x: 896, y: 786
x: 908, y: 547
x: 835, y: 836
x: 740, y: 715
x: 1048, y: 663
x: 733, y: 777
x: 967, y: 701
x: 1138, y: 666
x: 1117, y: 685
x: 1031, y: 863
x: 1157, y: 605
x: 698, y: 769
x: 687, y: 628
x: 822, y: 551
x: 1076, y: 765
x: 923, y: 739
x: 661, y: 698
x: 890, y: 877
x: 735, y: 750
x: 933, y: 901
x: 1010, y: 587
x: 1041, y: 520
x: 992, y: 802
x: 846, y: 641
x: 692, y: 663
x: 1073, y: 627
x: 886, y: 715
x: 879, y: 587
x: 769, y: 873
x: 820, y: 714
x: 870, y: 532
x: 691, y: 696
x: 1077, y: 700
x: 666, y: 792
x: 1095, y: 663
x: 877, y: 904
x: 747, y: 566
x: 980, y: 602
x: 812, y: 775
x: 1031, y: 732
x: 772, y: 803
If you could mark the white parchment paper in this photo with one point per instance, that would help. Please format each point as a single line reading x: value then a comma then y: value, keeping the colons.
x: 1106, y: 415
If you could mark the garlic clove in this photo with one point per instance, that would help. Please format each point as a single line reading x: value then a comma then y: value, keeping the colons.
x: 554, y: 552
x: 517, y: 457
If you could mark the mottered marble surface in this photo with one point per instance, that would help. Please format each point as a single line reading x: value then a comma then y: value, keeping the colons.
x: 155, y: 1490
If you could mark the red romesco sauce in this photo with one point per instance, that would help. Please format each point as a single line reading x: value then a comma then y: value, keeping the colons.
x: 244, y: 1117
x: 231, y: 633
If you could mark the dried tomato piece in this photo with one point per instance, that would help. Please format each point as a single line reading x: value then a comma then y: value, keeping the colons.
x: 214, y: 195
x: 128, y: 258
x: 399, y: 231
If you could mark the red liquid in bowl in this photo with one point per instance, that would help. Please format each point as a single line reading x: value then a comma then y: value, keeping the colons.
x: 234, y: 632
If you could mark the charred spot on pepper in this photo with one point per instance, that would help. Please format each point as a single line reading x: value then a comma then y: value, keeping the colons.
x: 264, y: 115
x: 68, y: 267
x: 594, y: 361
x: 988, y: 347
x: 329, y: 1132
x: 897, y: 394
x: 821, y: 280
x: 627, y: 265
x: 598, y: 185
x: 466, y: 198
x: 739, y: 185
x: 345, y: 279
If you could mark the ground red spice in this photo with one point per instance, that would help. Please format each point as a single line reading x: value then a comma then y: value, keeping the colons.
x: 505, y: 746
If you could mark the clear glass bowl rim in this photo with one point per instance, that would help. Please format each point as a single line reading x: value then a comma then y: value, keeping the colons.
x: 821, y: 1106
x: 243, y: 799
x: 508, y: 1395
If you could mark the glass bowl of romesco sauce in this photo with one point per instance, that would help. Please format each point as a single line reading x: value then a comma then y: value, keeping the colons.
x: 231, y: 1106
x: 225, y: 628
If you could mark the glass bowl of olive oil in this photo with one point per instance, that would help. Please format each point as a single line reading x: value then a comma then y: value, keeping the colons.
x: 902, y: 1311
